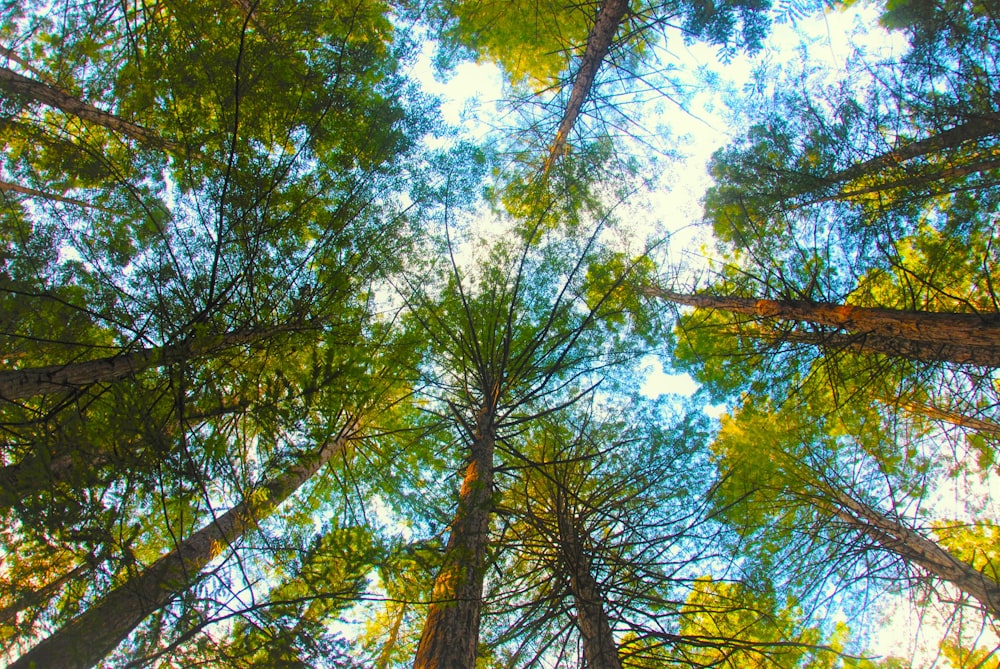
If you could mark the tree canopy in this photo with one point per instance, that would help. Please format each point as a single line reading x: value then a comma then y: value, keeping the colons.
x: 298, y: 371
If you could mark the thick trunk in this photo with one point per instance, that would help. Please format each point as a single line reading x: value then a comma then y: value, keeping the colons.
x: 89, y: 637
x: 14, y: 83
x: 609, y: 17
x: 599, y: 648
x: 982, y: 356
x: 923, y: 335
x: 451, y: 631
x: 917, y: 550
x: 974, y: 129
x: 22, y: 383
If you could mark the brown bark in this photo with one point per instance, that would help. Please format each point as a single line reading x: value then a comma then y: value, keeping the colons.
x: 33, y: 598
x: 21, y: 383
x: 54, y: 197
x: 609, y: 17
x: 973, y: 129
x: 983, y: 356
x: 965, y: 338
x: 451, y: 631
x: 383, y: 657
x: 50, y: 96
x: 89, y: 637
x: 916, y: 549
x: 953, y: 417
x: 599, y: 648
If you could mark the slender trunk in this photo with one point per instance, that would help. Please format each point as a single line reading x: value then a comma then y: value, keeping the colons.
x: 54, y: 197
x: 609, y: 18
x: 383, y: 657
x: 964, y: 338
x: 16, y: 84
x: 973, y: 129
x: 953, y: 417
x: 38, y: 470
x: 89, y: 637
x: 911, y: 182
x: 451, y: 631
x: 41, y: 595
x: 22, y: 383
x: 599, y: 648
x: 916, y: 549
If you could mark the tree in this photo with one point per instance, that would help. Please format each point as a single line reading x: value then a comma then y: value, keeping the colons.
x: 95, y: 633
x: 956, y: 337
x: 807, y: 455
x: 514, y: 345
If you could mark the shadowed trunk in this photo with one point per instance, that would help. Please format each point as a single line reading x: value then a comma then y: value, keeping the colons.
x: 451, y: 632
x: 89, y: 637
x: 16, y: 84
x: 609, y: 17
x: 41, y: 595
x: 933, y: 336
x: 973, y: 129
x: 917, y: 550
x: 22, y: 383
x: 599, y: 648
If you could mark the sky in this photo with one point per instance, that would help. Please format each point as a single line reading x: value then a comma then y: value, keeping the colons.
x: 472, y: 90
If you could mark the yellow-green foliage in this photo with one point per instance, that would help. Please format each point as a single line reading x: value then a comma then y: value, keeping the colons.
x: 532, y: 40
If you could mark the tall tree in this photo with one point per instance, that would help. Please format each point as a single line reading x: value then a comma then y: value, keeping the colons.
x: 514, y: 344
x: 95, y: 633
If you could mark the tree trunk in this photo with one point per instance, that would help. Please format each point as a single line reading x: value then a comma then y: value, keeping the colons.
x: 609, y: 17
x: 38, y: 470
x: 386, y: 655
x: 53, y: 197
x: 22, y: 383
x: 451, y: 632
x: 973, y: 129
x: 16, y: 84
x: 916, y: 549
x: 34, y: 598
x: 599, y: 648
x: 913, y: 181
x: 964, y: 338
x: 983, y: 356
x: 89, y: 637
x: 953, y: 417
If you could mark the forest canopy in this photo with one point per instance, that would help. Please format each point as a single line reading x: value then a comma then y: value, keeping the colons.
x: 299, y: 368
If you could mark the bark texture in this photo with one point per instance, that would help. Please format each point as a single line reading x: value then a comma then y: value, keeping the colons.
x: 22, y: 383
x: 599, y: 648
x: 89, y: 637
x: 953, y: 417
x: 14, y: 83
x: 609, y: 17
x: 973, y: 129
x: 451, y: 632
x: 918, y: 550
x: 982, y: 356
x: 965, y: 338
